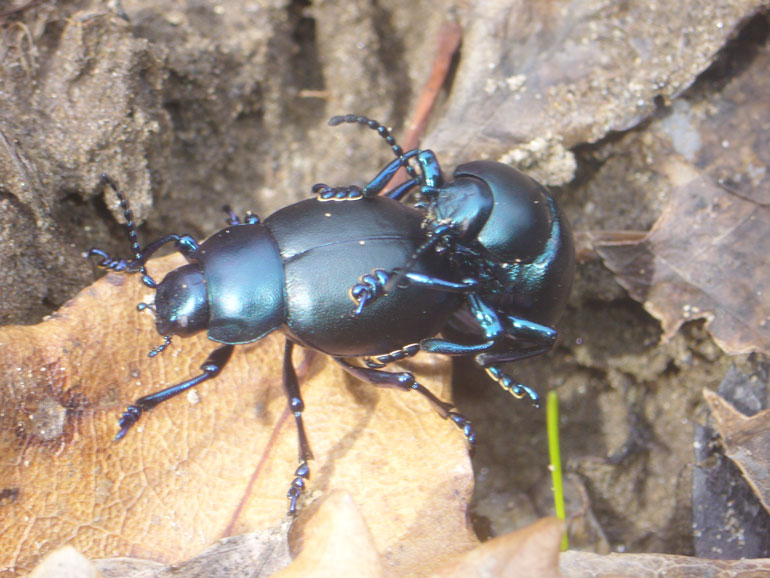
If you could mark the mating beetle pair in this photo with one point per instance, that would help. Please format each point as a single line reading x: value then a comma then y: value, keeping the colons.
x: 487, y: 259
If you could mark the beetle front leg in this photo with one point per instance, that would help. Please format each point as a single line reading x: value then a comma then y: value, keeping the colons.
x: 297, y: 406
x: 211, y: 368
x: 405, y: 381
x: 528, y: 338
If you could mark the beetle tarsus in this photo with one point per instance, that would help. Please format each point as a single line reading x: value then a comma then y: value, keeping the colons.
x: 517, y: 390
x: 369, y: 288
x: 465, y: 425
x: 130, y: 416
x: 301, y: 474
x: 326, y: 193
x: 380, y: 361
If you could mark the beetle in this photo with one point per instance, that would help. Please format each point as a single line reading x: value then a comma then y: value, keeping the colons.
x: 255, y: 277
x: 503, y: 231
x: 487, y: 259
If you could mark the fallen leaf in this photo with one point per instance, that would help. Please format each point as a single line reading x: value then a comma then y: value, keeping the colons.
x: 746, y: 441
x: 532, y: 552
x: 214, y: 463
x: 252, y: 555
x: 728, y: 519
x: 65, y: 562
x: 542, y: 77
x: 587, y: 565
x: 705, y: 258
x: 707, y: 255
x: 334, y: 541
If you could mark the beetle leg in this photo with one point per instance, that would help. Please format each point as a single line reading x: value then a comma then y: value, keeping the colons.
x: 374, y: 285
x: 211, y: 368
x: 490, y: 323
x: 326, y: 193
x: 291, y: 387
x: 185, y: 244
x: 380, y: 361
x: 528, y: 340
x: 517, y: 390
x: 405, y: 381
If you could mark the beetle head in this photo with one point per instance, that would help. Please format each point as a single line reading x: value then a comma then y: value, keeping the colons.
x: 181, y: 302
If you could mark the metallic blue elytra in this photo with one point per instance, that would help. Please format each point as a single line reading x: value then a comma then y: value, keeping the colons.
x: 485, y: 260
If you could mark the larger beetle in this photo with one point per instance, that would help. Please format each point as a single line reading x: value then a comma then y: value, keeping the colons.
x: 291, y: 272
x: 503, y: 231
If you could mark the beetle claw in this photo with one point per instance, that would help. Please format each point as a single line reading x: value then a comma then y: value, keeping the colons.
x: 301, y: 474
x: 127, y: 421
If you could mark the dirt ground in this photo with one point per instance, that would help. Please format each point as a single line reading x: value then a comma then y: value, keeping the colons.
x: 190, y: 105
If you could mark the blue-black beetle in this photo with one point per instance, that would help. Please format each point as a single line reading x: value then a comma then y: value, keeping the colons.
x: 291, y: 272
x: 487, y: 259
x: 503, y: 231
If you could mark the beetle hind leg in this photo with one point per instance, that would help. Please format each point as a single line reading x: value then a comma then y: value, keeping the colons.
x: 405, y: 381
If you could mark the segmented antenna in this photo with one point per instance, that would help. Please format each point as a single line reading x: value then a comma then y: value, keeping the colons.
x: 383, y: 132
x: 105, y: 179
x: 166, y: 338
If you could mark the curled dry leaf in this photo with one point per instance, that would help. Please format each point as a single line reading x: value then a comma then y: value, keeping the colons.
x: 586, y: 565
x: 746, y: 441
x: 65, y: 562
x: 708, y: 254
x: 333, y: 540
x: 705, y: 257
x: 214, y: 463
x: 532, y: 552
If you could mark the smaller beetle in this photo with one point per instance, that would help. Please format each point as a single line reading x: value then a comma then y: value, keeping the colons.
x: 503, y: 231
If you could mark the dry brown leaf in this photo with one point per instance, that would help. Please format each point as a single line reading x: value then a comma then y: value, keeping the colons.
x: 65, y: 562
x: 586, y: 565
x: 253, y: 555
x: 708, y: 254
x: 746, y: 441
x: 549, y: 75
x: 705, y: 257
x: 214, y: 463
x: 532, y: 552
x: 333, y: 541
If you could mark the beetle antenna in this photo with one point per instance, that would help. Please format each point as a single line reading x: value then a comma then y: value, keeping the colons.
x: 136, y: 249
x: 383, y: 132
x: 160, y: 348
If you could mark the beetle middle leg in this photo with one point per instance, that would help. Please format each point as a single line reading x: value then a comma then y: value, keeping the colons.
x: 297, y: 406
x: 380, y: 361
x: 405, y: 381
